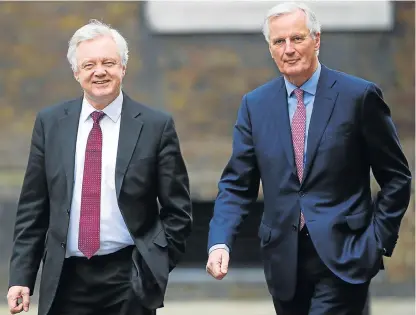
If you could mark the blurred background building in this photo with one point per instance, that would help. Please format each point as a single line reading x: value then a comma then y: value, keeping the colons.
x: 196, y: 60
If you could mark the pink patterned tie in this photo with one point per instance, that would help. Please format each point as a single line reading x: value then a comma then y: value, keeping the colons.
x: 89, y: 223
x: 298, y: 138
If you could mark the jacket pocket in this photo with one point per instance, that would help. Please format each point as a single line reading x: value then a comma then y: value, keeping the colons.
x: 358, y: 221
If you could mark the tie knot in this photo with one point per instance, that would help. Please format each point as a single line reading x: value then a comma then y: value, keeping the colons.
x: 97, y: 116
x: 299, y: 95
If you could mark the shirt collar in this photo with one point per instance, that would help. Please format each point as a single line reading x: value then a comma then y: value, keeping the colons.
x: 309, y: 86
x: 112, y: 110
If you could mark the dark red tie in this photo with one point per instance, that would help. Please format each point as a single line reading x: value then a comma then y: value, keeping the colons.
x: 298, y: 138
x: 89, y: 223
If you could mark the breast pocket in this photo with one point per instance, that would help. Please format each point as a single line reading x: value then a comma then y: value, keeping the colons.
x: 141, y: 177
x: 138, y: 165
x: 335, y: 137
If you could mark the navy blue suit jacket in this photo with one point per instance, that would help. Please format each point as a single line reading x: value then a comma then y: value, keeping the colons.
x: 351, y: 132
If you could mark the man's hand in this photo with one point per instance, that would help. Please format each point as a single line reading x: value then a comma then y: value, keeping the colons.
x: 15, y: 293
x: 217, y: 265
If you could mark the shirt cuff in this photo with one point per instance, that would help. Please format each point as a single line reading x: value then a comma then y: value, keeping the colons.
x: 218, y: 246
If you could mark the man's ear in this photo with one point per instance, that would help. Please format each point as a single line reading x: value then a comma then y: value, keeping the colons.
x: 317, y: 41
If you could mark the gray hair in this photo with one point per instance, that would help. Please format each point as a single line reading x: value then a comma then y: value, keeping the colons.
x: 289, y: 7
x: 93, y: 30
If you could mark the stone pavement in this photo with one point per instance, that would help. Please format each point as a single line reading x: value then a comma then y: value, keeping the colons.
x: 384, y: 306
x: 378, y: 307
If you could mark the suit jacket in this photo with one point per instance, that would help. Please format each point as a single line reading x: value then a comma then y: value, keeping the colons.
x: 351, y: 132
x: 149, y: 168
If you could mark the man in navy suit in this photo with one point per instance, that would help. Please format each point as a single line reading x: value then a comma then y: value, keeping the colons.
x: 312, y: 136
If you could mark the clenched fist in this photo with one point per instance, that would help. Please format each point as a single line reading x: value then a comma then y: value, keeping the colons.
x: 217, y: 265
x: 15, y: 293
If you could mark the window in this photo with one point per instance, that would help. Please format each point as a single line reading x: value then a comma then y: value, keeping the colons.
x: 227, y: 16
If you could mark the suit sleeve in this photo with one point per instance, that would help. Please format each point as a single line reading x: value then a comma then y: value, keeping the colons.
x: 389, y: 166
x: 238, y: 186
x: 173, y: 193
x: 32, y: 218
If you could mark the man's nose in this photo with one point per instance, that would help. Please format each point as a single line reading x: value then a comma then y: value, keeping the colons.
x: 99, y: 71
x: 289, y: 49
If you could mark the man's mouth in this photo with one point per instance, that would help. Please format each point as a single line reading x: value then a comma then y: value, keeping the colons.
x: 101, y: 82
x: 291, y: 62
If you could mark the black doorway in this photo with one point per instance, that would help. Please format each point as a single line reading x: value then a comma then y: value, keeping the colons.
x: 246, y: 248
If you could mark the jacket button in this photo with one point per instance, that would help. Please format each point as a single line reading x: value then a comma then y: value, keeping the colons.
x: 302, y: 193
x: 63, y: 245
x: 294, y: 227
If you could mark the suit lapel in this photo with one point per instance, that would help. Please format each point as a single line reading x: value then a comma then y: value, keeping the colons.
x: 322, y: 109
x: 130, y: 128
x: 68, y: 130
x: 283, y: 123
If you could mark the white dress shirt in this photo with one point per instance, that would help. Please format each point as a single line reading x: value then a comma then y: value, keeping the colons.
x: 113, y: 230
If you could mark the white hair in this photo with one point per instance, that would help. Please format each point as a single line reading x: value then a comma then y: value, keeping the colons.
x: 289, y: 7
x: 93, y: 30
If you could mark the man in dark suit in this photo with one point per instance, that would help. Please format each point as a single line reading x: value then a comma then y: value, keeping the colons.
x: 311, y: 137
x: 98, y: 166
